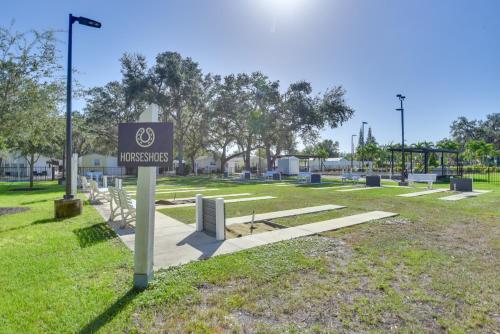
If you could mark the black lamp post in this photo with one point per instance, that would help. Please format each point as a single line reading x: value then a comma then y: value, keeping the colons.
x: 401, y: 99
x: 363, y: 146
x: 69, y: 129
x: 352, y: 152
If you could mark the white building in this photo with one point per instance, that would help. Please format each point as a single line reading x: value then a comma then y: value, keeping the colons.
x: 207, y: 164
x: 13, y: 164
x: 94, y: 162
x: 237, y: 164
x: 289, y: 165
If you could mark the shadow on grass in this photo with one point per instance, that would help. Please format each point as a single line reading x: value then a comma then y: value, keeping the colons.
x: 102, y: 319
x: 36, y: 222
x: 36, y: 202
x: 46, y: 221
x: 94, y: 234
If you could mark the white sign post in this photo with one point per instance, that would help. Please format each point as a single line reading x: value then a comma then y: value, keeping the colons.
x: 145, y: 215
x: 74, y: 173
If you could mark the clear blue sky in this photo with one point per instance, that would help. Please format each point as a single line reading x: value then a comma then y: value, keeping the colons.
x: 443, y: 55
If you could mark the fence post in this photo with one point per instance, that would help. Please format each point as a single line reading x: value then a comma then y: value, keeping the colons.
x: 199, y: 212
x: 220, y: 225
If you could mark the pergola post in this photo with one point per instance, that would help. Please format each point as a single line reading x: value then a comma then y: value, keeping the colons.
x: 426, y: 162
x: 411, y: 162
x: 442, y: 163
x: 392, y: 163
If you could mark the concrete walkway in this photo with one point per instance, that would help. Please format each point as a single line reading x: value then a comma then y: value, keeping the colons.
x: 176, y: 243
x: 463, y: 195
x: 360, y: 188
x: 425, y: 192
x: 282, y: 214
x: 332, y: 187
x: 211, y: 196
x: 235, y: 200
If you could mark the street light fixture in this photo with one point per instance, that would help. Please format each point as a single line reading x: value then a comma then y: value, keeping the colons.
x: 352, y: 152
x: 69, y: 129
x: 401, y: 99
x: 363, y: 146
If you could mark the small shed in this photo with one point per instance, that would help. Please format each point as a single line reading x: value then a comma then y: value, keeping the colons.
x: 288, y: 165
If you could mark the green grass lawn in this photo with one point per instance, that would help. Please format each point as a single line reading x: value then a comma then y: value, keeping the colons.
x: 432, y: 269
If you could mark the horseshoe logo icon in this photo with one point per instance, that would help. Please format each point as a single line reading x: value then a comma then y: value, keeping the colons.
x: 139, y: 137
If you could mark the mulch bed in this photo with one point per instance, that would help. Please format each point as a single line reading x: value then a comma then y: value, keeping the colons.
x: 10, y: 211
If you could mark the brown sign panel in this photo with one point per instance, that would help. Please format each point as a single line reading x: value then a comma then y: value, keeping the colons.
x: 145, y: 144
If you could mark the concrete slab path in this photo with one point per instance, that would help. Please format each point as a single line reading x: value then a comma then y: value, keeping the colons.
x: 425, y: 192
x: 235, y: 200
x: 282, y: 214
x: 176, y: 243
x: 459, y: 196
x: 332, y: 187
x: 211, y: 196
x: 359, y: 188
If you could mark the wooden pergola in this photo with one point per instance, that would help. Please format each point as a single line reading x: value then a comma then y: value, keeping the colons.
x: 426, y: 152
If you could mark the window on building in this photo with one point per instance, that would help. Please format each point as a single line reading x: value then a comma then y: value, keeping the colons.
x: 97, y: 162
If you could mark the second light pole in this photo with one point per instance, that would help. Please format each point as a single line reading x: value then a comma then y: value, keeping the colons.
x: 352, y: 152
x: 403, y: 176
x: 363, y: 145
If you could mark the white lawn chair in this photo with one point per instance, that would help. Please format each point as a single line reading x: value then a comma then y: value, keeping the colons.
x: 97, y: 194
x: 114, y: 203
x: 84, y: 184
x: 127, y: 208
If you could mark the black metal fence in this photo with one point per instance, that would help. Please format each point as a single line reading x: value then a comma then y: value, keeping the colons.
x: 22, y: 174
x: 482, y: 174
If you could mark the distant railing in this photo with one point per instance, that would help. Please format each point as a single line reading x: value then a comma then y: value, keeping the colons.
x: 482, y: 173
x: 109, y: 171
x: 20, y: 174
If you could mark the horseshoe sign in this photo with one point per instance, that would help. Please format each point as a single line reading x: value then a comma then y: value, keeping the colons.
x: 150, y: 138
x: 145, y: 144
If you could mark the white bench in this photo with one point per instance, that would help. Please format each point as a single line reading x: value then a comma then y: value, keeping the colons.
x: 98, y: 194
x: 350, y: 177
x: 429, y: 178
x: 304, y: 177
x: 121, y: 205
x: 84, y: 184
x: 269, y: 175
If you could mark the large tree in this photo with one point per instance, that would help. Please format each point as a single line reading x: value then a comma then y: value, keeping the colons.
x: 28, y: 70
x: 107, y: 107
x: 38, y: 123
x: 370, y: 139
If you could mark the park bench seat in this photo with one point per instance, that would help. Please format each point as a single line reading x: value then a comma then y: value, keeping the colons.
x: 98, y: 194
x: 83, y: 184
x: 350, y: 177
x: 429, y: 178
x: 121, y: 206
x: 272, y: 175
x: 304, y: 177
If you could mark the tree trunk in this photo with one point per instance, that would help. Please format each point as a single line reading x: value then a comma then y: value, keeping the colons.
x: 223, y: 160
x: 180, y: 156
x: 32, y: 167
x: 269, y: 158
x: 192, y: 164
x: 247, y: 158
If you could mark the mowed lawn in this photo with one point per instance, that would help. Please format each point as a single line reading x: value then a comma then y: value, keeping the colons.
x: 432, y: 269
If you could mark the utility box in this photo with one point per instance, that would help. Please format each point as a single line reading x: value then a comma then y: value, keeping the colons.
x: 373, y: 180
x: 315, y: 178
x: 460, y: 184
x: 288, y: 165
x: 210, y: 217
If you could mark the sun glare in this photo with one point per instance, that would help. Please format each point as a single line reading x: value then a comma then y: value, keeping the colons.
x: 283, y: 7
